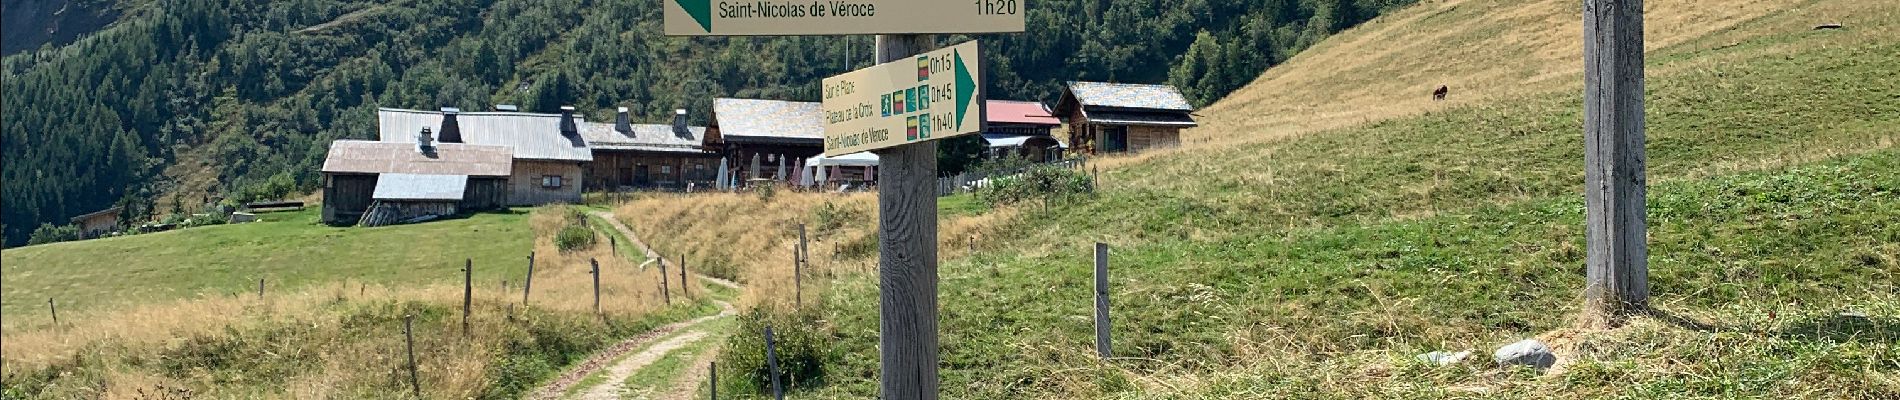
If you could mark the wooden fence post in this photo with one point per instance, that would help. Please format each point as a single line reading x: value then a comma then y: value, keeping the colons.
x: 1614, y: 184
x: 468, y: 292
x: 712, y: 370
x: 408, y: 334
x: 595, y: 271
x: 54, y: 309
x: 907, y: 255
x: 771, y: 361
x: 665, y: 293
x: 527, y: 284
x: 1101, y: 300
x: 798, y: 283
x: 260, y: 288
x: 683, y: 285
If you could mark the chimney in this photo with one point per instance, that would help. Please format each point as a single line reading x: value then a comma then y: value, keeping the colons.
x: 451, y: 131
x: 679, y: 123
x: 568, y: 127
x: 424, y: 143
x: 622, y: 123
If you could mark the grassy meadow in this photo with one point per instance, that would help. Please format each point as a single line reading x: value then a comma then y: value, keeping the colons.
x: 338, y: 331
x: 1329, y: 223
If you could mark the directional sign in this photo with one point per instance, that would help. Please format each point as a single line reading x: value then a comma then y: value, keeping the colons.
x: 931, y: 96
x: 840, y: 17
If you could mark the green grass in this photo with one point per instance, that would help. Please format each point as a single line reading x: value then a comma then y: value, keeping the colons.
x: 1318, y: 266
x: 659, y: 376
x: 290, y: 250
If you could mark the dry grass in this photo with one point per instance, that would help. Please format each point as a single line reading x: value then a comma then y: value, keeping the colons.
x: 113, y: 347
x: 750, y: 239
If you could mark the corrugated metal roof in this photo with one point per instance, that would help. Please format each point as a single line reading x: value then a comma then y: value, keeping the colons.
x: 420, y: 187
x: 367, y: 157
x: 1019, y: 112
x: 653, y: 138
x: 1122, y: 95
x: 769, y: 121
x: 532, y: 136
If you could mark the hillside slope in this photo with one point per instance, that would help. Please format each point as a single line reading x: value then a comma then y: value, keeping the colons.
x: 1329, y: 223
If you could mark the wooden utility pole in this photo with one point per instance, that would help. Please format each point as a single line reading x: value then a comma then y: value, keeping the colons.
x: 1614, y: 182
x: 907, y: 254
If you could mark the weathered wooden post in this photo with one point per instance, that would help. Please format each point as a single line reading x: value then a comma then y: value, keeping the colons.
x: 907, y: 254
x: 468, y: 292
x: 613, y: 245
x: 665, y: 294
x: 595, y: 271
x: 798, y: 283
x: 683, y: 285
x: 260, y: 288
x: 54, y: 309
x: 1614, y: 181
x: 771, y: 362
x: 408, y: 335
x: 527, y: 284
x: 1101, y: 300
x: 712, y: 386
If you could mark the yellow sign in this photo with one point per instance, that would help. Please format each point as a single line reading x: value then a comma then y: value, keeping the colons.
x: 840, y: 17
x: 932, y: 96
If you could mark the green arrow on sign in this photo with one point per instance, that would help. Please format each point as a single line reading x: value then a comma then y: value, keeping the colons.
x: 966, y: 89
x: 700, y: 10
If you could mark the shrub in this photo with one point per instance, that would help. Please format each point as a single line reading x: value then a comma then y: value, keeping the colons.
x: 800, y: 339
x: 765, y: 191
x: 1038, y: 183
x: 49, y: 233
x: 830, y: 217
x: 574, y: 237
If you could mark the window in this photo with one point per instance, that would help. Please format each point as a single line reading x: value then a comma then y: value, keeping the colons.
x: 666, y: 170
x: 551, y: 181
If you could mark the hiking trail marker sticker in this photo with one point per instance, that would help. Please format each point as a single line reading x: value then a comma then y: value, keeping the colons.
x: 926, y: 97
x: 840, y: 17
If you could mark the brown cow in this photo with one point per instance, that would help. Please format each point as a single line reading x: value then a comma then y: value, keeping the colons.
x: 1439, y: 95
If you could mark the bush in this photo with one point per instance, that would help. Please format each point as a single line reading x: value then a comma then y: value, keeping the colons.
x: 1038, y: 183
x: 49, y: 233
x: 800, y: 338
x: 830, y: 217
x: 574, y: 237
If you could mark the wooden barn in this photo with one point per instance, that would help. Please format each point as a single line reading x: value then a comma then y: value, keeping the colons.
x: 630, y: 156
x: 98, y: 223
x: 1021, y: 129
x: 758, y: 136
x: 549, y: 155
x: 1116, y: 118
x: 358, y: 174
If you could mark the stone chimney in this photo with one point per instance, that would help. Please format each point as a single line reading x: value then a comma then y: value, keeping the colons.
x: 451, y: 131
x: 568, y: 127
x: 679, y: 123
x: 425, y: 143
x: 623, y: 122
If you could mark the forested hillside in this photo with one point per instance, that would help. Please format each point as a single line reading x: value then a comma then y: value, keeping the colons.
x: 185, y: 98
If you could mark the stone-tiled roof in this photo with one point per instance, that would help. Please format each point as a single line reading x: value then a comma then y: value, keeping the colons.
x: 1122, y: 95
x: 769, y: 121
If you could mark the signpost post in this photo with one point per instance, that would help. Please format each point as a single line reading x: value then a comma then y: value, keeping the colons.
x: 899, y: 109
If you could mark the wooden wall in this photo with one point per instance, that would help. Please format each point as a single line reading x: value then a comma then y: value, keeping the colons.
x: 346, y: 197
x: 619, y: 170
x: 484, y: 194
x: 524, y: 187
x: 1144, y: 138
x: 395, y: 212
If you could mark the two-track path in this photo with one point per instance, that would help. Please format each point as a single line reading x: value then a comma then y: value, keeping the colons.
x: 628, y: 357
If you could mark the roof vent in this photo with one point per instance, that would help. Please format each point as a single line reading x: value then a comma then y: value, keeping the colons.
x: 568, y: 127
x: 679, y: 123
x: 507, y: 108
x: 425, y: 144
x: 623, y: 123
x: 451, y: 131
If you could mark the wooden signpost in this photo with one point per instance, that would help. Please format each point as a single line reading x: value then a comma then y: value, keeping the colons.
x: 943, y: 96
x: 1617, y: 261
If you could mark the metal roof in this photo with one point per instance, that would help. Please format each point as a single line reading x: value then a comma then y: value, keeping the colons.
x: 367, y: 157
x: 995, y: 140
x: 769, y: 121
x: 1122, y: 95
x: 651, y: 138
x: 82, y: 217
x: 532, y: 136
x: 420, y: 187
x: 1019, y: 112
